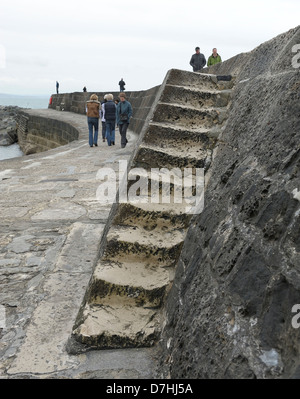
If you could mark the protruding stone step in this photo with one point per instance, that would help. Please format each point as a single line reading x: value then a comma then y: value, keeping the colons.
x: 168, y: 135
x: 174, y: 187
x: 130, y: 277
x: 188, y: 117
x: 202, y: 81
x: 195, y: 97
x: 159, y: 244
x: 117, y: 324
x: 157, y: 157
x: 151, y: 215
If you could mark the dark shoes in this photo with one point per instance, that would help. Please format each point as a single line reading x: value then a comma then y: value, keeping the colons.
x: 96, y: 145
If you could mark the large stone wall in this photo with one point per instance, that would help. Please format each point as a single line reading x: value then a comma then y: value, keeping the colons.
x: 229, y: 313
x: 141, y: 102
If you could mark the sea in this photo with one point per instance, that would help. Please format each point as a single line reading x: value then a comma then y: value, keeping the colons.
x: 34, y: 102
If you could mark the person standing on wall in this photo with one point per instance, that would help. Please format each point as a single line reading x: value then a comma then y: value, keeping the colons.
x: 214, y: 58
x: 198, y: 60
x: 110, y: 119
x: 57, y: 87
x: 122, y: 85
x: 93, y: 114
x: 124, y: 113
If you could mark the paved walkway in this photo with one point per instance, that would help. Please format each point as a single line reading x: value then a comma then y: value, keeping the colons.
x: 51, y: 227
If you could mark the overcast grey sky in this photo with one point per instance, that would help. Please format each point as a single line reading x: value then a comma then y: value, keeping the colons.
x: 95, y: 43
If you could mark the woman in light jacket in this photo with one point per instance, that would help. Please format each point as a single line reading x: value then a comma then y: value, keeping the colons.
x: 93, y: 114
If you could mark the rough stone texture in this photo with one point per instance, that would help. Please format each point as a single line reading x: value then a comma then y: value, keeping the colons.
x: 229, y: 313
x: 8, y: 125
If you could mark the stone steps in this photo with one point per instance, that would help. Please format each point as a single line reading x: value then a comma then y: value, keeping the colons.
x: 189, y: 117
x: 118, y: 324
x: 162, y: 245
x: 126, y: 294
x: 171, y: 157
x: 170, y: 135
x: 134, y: 278
x: 151, y: 215
x: 196, y: 98
x: 196, y: 81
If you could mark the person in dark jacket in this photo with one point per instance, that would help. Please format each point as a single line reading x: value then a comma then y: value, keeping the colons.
x: 110, y: 119
x: 122, y: 85
x: 198, y: 60
x: 124, y: 113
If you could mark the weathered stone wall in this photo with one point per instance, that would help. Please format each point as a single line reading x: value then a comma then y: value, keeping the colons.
x: 37, y: 134
x: 141, y: 102
x: 229, y: 312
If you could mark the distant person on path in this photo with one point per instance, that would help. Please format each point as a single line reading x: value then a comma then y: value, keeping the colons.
x: 198, y: 60
x: 57, y: 87
x: 124, y: 113
x: 110, y: 119
x: 122, y: 85
x: 93, y: 114
x: 84, y: 89
x: 214, y: 58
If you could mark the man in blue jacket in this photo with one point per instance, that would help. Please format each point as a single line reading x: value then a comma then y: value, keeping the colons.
x: 124, y: 113
x: 198, y: 60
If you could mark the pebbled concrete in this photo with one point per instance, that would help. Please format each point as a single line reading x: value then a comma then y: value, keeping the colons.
x: 51, y: 227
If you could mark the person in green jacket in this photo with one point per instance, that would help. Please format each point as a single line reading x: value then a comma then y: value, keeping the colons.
x: 214, y: 58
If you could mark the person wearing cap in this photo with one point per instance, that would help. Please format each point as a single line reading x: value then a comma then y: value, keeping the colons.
x: 124, y: 113
x: 214, y: 58
x: 198, y: 60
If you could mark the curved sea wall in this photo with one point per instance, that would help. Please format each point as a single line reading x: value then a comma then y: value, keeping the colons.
x: 231, y: 310
x: 37, y: 133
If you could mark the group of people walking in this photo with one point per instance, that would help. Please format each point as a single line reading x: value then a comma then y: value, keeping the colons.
x: 198, y: 60
x: 112, y: 113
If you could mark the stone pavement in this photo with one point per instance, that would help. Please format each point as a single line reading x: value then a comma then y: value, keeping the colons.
x: 51, y: 227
